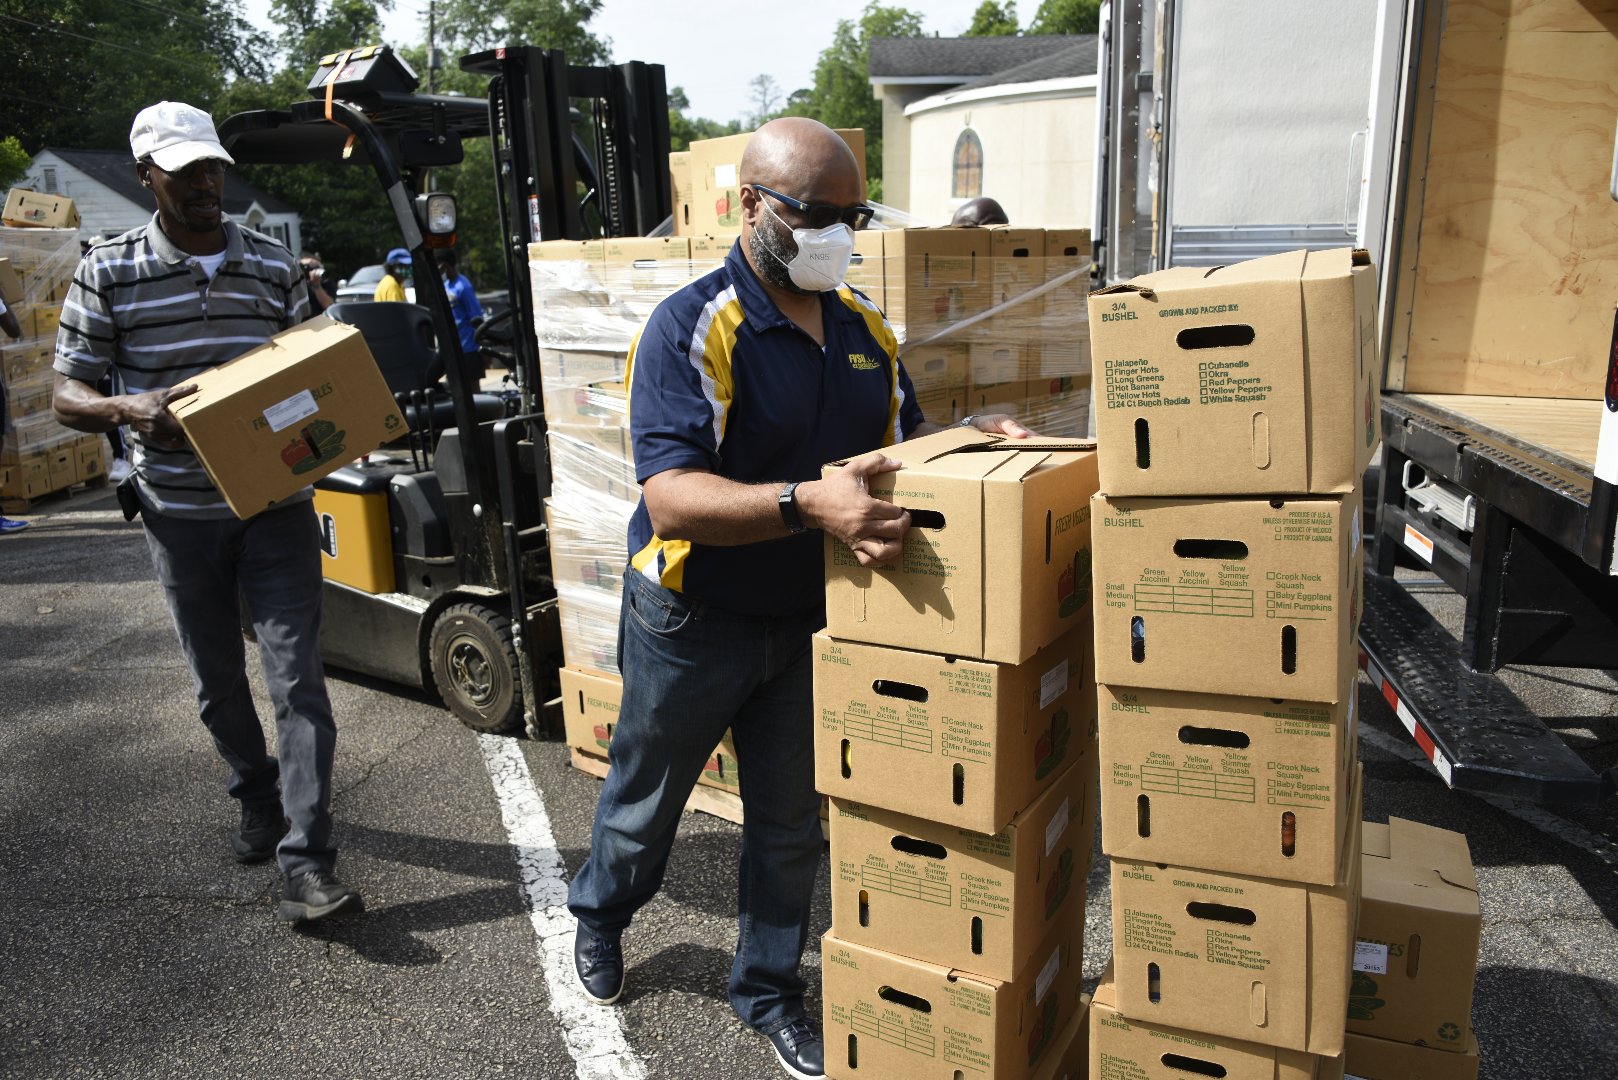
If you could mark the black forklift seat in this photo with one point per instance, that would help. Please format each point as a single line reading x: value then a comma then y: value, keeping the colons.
x: 401, y: 339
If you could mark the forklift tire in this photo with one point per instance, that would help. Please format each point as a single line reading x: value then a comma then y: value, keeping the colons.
x: 474, y: 664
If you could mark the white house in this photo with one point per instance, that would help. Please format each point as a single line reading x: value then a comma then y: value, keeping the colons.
x: 111, y: 200
x: 1013, y: 118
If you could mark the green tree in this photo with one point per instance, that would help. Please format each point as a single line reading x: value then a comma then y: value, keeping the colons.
x: 993, y: 19
x: 78, y: 70
x: 346, y: 216
x: 466, y: 26
x: 1066, y: 17
x: 14, y: 161
x: 684, y: 130
x: 841, y: 96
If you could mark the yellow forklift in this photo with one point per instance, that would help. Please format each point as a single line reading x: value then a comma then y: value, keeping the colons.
x: 436, y: 555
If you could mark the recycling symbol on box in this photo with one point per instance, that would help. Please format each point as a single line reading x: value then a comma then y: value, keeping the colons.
x: 1449, y: 1032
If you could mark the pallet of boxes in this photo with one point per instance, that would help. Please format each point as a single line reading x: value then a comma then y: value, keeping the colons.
x: 39, y: 248
x: 954, y: 735
x: 591, y: 298
x: 1236, y: 413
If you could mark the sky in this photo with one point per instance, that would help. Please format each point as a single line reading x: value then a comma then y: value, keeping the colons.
x: 702, y: 44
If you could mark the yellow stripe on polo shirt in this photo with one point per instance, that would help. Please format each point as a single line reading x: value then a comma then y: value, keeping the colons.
x: 663, y: 561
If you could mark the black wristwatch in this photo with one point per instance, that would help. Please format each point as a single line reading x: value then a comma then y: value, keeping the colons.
x: 788, y: 502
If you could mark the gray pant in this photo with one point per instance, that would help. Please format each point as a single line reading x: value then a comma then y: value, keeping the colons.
x: 273, y: 561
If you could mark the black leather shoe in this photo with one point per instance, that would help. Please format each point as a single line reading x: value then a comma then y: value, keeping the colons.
x: 600, y: 964
x: 261, y: 829
x: 315, y: 895
x: 799, y: 1049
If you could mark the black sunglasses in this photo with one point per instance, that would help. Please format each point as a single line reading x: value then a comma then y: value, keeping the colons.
x: 821, y: 215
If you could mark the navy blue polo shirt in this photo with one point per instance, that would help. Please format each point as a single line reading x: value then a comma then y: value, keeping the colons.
x: 720, y: 380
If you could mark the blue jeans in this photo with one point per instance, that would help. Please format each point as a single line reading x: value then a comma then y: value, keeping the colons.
x: 273, y: 561
x: 690, y: 671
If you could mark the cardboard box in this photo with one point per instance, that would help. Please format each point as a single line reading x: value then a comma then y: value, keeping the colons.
x: 936, y: 278
x: 1145, y: 1050
x: 1242, y: 785
x: 47, y: 318
x: 589, y: 628
x: 28, y: 478
x: 10, y: 284
x: 967, y: 743
x: 90, y: 458
x: 590, y: 702
x: 1416, y: 948
x: 1255, y: 378
x: 950, y: 896
x: 62, y: 466
x: 580, y: 367
x: 707, y: 252
x: 888, y: 1016
x: 595, y: 404
x: 716, y: 166
x: 33, y: 209
x: 943, y: 406
x: 1064, y: 348
x: 935, y: 369
x: 1367, y: 1058
x: 1070, y: 1059
x: 1253, y: 597
x: 279, y: 417
x: 1242, y: 957
x: 867, y: 267
x: 1059, y: 405
x: 680, y: 191
x: 996, y: 564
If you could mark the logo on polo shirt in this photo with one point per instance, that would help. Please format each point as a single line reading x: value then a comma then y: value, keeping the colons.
x: 860, y: 362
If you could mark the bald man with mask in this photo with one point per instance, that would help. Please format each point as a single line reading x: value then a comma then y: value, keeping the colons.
x: 741, y: 384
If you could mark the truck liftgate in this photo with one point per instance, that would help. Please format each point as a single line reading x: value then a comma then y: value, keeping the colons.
x: 1526, y: 537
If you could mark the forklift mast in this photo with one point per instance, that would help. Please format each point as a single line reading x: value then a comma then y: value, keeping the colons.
x: 552, y: 184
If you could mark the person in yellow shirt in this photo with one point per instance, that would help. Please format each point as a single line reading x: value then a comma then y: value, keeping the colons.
x: 397, y: 268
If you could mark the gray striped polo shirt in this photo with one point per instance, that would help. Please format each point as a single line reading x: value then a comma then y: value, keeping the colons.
x: 143, y: 308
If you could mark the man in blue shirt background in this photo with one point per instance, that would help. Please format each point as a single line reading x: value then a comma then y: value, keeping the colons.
x: 741, y: 385
x: 463, y: 304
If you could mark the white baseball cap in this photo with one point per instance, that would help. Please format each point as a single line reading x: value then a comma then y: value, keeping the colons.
x: 174, y: 134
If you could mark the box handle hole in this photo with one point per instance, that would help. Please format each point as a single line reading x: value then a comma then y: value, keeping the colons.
x: 977, y: 935
x: 1289, y: 650
x: 1143, y: 815
x: 922, y: 849
x: 894, y: 688
x: 1210, y: 736
x: 1137, y: 639
x: 1226, y: 913
x: 959, y: 784
x: 925, y: 519
x: 1225, y: 550
x: 1143, y: 444
x: 909, y: 1001
x: 847, y: 759
x: 1196, y: 1066
x: 1228, y: 336
x: 1154, y: 983
x: 1289, y: 834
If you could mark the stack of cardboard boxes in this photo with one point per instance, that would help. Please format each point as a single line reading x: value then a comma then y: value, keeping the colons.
x: 38, y: 455
x: 1237, y: 414
x: 1415, y: 957
x: 591, y: 298
x: 954, y: 735
x: 988, y: 320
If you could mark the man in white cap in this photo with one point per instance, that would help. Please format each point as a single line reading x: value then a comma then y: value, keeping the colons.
x: 186, y: 292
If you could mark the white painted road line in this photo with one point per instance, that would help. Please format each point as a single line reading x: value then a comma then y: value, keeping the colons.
x: 592, y: 1033
x: 1546, y: 822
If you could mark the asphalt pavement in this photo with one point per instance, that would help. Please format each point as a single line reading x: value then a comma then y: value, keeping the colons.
x: 132, y: 945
